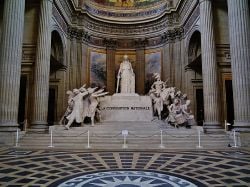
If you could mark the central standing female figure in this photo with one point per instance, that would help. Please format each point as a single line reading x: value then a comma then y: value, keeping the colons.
x: 126, y: 77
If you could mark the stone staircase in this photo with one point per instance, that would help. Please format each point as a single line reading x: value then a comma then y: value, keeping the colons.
x: 141, y: 136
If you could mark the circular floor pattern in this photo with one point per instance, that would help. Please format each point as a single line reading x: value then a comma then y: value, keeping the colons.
x: 126, y: 178
x: 216, y: 168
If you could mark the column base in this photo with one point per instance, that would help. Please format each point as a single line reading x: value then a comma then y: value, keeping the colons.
x: 39, y: 127
x: 8, y: 127
x: 242, y: 126
x: 8, y: 133
x: 7, y: 138
x: 212, y: 127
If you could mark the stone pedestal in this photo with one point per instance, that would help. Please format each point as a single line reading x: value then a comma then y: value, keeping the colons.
x: 126, y: 107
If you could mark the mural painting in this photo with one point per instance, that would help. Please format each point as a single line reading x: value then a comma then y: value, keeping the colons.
x: 152, y: 65
x: 98, y: 72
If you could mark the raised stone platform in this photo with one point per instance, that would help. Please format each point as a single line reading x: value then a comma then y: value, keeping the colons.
x: 126, y: 107
x: 141, y: 136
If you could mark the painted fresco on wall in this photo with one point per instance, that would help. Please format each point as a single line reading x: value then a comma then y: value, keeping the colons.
x: 98, y: 72
x: 152, y: 65
x: 126, y: 3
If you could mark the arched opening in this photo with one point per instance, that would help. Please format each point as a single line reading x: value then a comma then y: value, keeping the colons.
x: 56, y: 56
x: 56, y: 66
x: 195, y: 65
x: 194, y: 52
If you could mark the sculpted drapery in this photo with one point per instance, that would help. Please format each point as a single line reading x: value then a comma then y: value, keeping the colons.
x: 126, y: 77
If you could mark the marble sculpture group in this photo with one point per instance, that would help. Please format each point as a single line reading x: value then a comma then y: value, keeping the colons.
x: 84, y: 102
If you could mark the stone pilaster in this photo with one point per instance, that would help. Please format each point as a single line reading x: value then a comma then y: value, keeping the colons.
x: 209, y: 68
x: 111, y: 76
x: 167, y: 65
x: 177, y: 63
x: 10, y: 63
x: 239, y: 27
x: 74, y: 63
x: 42, y: 67
x: 140, y: 66
x: 84, y: 63
x: 140, y: 71
x: 79, y: 63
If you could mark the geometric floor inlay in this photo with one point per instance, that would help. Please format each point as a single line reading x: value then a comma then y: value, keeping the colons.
x: 127, y: 179
x: 124, y: 168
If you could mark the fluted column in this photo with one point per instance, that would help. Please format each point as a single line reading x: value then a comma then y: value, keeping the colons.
x: 42, y: 67
x: 209, y: 68
x: 10, y: 63
x: 239, y: 27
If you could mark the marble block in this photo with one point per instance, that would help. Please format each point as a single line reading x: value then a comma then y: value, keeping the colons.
x: 128, y: 107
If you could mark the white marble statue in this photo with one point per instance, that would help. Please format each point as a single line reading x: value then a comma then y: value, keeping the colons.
x: 76, y: 114
x: 155, y: 94
x: 93, y: 103
x: 178, y: 106
x: 82, y: 103
x: 157, y: 104
x: 158, y: 85
x: 188, y: 113
x: 69, y: 108
x: 176, y: 116
x: 126, y: 77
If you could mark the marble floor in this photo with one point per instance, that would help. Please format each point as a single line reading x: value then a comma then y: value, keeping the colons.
x: 124, y: 168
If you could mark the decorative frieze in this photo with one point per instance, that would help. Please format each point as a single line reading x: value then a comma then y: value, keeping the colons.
x: 141, y: 43
x: 110, y: 43
x: 131, y: 15
x: 124, y: 30
x: 168, y: 36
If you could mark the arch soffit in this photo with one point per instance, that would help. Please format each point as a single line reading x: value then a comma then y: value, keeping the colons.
x: 189, y: 36
x: 57, y: 29
x: 195, y: 29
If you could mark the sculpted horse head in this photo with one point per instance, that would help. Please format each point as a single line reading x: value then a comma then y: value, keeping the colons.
x: 168, y: 95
